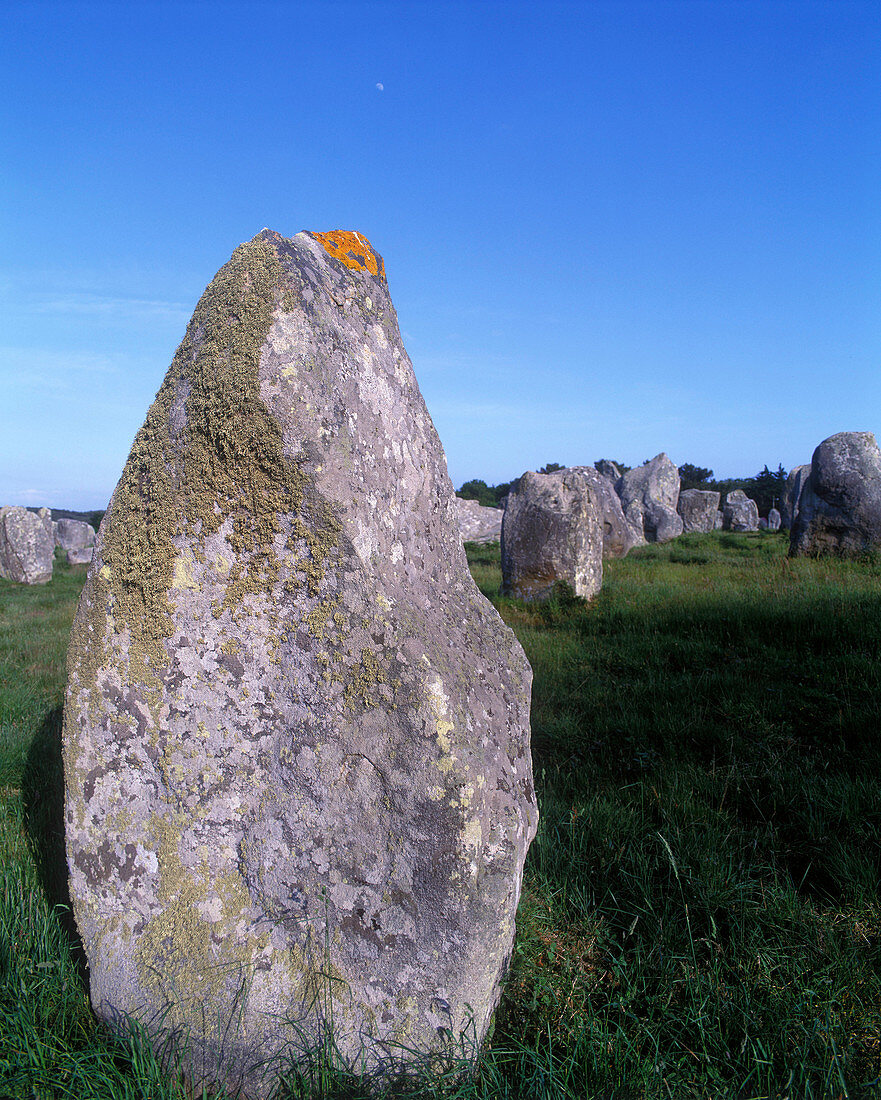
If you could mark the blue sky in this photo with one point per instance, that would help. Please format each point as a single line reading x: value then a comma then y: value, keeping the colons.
x: 610, y: 228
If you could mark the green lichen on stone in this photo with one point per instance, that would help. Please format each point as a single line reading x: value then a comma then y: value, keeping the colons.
x: 188, y: 474
x: 176, y: 956
x: 364, y: 680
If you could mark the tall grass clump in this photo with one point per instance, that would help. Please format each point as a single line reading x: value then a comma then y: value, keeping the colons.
x: 701, y: 913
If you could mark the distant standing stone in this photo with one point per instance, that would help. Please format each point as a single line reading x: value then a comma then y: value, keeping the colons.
x: 552, y: 532
x: 26, y: 551
x: 773, y: 520
x: 619, y: 536
x: 477, y: 523
x: 839, y: 510
x: 649, y: 495
x: 296, y: 736
x: 795, y: 483
x: 80, y: 555
x: 698, y: 509
x: 740, y: 513
x: 74, y: 534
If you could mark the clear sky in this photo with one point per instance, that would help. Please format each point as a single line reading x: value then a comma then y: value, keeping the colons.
x: 610, y: 228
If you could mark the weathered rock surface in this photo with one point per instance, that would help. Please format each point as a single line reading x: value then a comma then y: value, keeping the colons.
x: 296, y: 739
x: 26, y: 550
x: 74, y: 534
x: 607, y: 469
x: 773, y: 520
x: 618, y: 535
x: 477, y: 523
x: 649, y: 495
x: 45, y: 515
x: 80, y: 555
x: 718, y: 522
x: 795, y: 482
x: 552, y: 532
x: 740, y: 513
x: 839, y: 510
x: 698, y: 508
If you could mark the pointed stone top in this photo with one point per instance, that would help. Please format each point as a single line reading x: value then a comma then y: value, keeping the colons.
x: 354, y: 250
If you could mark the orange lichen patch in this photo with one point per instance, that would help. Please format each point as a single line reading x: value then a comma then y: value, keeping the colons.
x: 354, y: 250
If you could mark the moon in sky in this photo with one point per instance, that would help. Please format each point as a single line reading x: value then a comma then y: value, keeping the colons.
x: 380, y: 87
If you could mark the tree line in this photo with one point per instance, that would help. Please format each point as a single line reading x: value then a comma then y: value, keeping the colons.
x: 765, y: 487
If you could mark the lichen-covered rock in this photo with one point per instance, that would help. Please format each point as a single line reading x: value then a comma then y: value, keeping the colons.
x: 608, y: 469
x: 296, y: 740
x: 80, y: 555
x: 773, y: 520
x: 839, y: 509
x: 477, y: 523
x: 45, y: 515
x: 739, y: 512
x: 792, y: 490
x: 74, y: 534
x: 26, y: 550
x: 552, y: 533
x: 698, y: 508
x: 619, y: 537
x: 649, y: 495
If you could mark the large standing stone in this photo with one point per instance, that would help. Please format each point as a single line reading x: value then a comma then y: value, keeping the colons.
x: 298, y: 777
x: 773, y: 520
x: 839, y: 510
x: 649, y: 495
x: 795, y: 482
x: 740, y: 513
x: 552, y: 532
x: 619, y: 537
x: 74, y: 534
x: 477, y: 523
x: 698, y: 509
x: 26, y: 550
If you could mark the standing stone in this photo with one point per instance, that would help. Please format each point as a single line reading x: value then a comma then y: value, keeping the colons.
x: 698, y: 508
x: 80, y: 555
x: 718, y: 521
x: 552, y: 532
x: 298, y: 779
x: 839, y: 510
x: 74, y: 534
x: 477, y: 523
x: 608, y: 469
x: 619, y: 537
x: 649, y: 495
x: 773, y: 520
x: 26, y: 551
x: 45, y: 515
x: 740, y: 513
x: 795, y: 483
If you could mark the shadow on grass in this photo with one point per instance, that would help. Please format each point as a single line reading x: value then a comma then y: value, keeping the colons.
x: 42, y: 791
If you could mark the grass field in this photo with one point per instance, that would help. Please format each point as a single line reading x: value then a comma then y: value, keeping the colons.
x: 701, y: 914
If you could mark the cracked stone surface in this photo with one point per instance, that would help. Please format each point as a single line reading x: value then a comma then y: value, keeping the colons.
x: 698, y: 509
x: 296, y: 736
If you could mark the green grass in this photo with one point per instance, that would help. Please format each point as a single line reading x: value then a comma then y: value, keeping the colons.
x: 701, y: 914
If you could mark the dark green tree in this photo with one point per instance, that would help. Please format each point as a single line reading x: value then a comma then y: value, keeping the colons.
x: 551, y: 468
x: 489, y: 496
x: 693, y: 477
x: 768, y: 486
